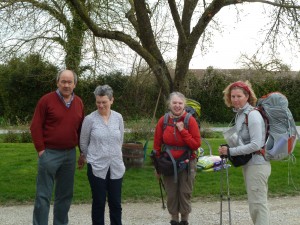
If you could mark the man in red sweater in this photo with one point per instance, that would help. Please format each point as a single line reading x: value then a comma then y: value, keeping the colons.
x: 55, y: 130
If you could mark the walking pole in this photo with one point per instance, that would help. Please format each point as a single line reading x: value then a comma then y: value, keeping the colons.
x: 224, y: 167
x: 161, y: 184
x: 221, y: 190
x: 228, y: 192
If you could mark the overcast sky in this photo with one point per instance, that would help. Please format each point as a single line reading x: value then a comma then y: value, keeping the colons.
x: 239, y: 38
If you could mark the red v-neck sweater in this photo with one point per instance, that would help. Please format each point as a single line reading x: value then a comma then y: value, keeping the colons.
x: 54, y: 125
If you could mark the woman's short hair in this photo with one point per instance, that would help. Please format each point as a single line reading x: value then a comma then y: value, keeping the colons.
x: 246, y: 87
x: 178, y: 94
x: 104, y: 90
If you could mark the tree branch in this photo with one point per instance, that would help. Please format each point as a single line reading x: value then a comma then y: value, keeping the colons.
x: 283, y: 5
x: 131, y: 17
x: 187, y: 13
x: 177, y: 20
x: 113, y: 35
x: 45, y: 7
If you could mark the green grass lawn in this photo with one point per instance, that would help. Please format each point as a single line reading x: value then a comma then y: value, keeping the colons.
x: 18, y: 167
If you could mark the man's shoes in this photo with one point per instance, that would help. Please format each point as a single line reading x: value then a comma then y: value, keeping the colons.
x: 173, y: 222
x: 183, y: 223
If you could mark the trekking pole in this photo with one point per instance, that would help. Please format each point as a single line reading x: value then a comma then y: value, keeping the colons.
x: 224, y: 167
x: 161, y: 184
x: 221, y: 190
x: 228, y: 191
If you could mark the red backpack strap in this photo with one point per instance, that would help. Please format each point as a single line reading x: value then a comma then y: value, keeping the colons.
x: 246, y: 116
x: 267, y: 127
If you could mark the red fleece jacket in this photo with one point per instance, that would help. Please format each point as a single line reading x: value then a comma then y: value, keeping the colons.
x: 173, y: 137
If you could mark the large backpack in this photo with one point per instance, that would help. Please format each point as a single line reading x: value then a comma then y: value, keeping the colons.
x: 281, y: 131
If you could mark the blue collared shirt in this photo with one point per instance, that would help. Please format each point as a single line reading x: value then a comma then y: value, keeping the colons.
x: 68, y: 104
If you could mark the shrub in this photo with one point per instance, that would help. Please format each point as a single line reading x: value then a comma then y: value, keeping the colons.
x: 11, y: 137
x: 206, y: 130
x: 137, y: 130
x: 26, y: 137
x: 23, y: 82
x: 4, y: 122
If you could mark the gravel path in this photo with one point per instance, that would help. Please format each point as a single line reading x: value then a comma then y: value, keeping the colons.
x: 284, y: 210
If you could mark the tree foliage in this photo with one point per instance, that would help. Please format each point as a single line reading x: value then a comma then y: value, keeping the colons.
x: 134, y: 96
x: 23, y: 82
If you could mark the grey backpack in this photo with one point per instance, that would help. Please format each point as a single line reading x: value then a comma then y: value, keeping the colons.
x: 281, y: 131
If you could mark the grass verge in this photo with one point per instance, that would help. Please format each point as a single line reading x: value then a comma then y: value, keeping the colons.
x: 19, y: 168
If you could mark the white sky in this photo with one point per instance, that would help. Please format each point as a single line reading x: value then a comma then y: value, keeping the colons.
x: 239, y: 38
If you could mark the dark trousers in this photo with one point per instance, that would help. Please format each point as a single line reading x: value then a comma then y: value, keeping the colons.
x: 102, y: 188
x: 55, y: 167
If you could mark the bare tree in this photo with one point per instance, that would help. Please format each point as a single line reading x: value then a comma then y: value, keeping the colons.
x: 273, y: 65
x: 54, y: 30
x: 191, y: 20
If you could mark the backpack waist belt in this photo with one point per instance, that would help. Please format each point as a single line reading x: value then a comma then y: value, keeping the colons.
x: 170, y: 147
x: 167, y: 149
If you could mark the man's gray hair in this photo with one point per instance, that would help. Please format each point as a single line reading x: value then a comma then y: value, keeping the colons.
x: 60, y: 72
x: 104, y: 90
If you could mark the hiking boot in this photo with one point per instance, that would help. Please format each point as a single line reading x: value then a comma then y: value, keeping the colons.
x: 184, y: 223
x: 173, y: 222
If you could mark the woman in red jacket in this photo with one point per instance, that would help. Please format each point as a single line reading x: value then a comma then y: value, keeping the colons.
x: 179, y: 140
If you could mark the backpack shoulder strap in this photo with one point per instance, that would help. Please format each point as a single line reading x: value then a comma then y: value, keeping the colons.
x: 166, y: 118
x: 186, y: 120
x: 262, y: 113
x: 266, y: 121
x: 246, y: 115
x: 166, y: 121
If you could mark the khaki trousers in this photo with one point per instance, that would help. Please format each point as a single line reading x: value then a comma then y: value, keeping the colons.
x: 179, y: 194
x: 256, y: 181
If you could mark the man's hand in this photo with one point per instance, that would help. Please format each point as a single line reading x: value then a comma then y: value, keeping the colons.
x: 81, y: 161
x: 41, y: 153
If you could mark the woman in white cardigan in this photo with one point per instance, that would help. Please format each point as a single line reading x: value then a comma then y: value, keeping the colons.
x: 101, y: 142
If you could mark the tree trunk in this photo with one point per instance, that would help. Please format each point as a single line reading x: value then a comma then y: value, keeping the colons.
x: 73, y: 45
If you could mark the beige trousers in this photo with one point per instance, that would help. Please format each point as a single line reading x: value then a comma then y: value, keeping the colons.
x: 179, y: 194
x: 256, y: 181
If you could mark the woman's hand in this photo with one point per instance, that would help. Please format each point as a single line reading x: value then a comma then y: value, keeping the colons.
x: 223, y: 150
x: 157, y: 175
x: 180, y: 125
